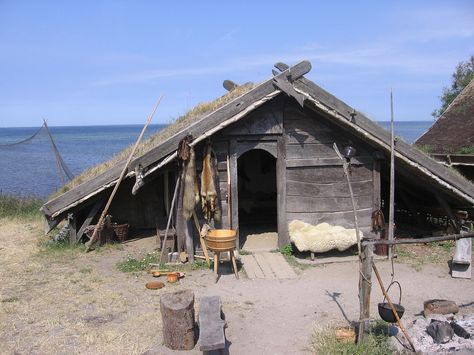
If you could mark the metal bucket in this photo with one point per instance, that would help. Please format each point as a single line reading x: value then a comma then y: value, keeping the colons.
x: 221, y: 239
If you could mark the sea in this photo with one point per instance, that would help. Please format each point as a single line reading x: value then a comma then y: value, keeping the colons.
x: 30, y: 169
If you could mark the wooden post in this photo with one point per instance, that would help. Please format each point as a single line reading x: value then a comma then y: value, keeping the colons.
x: 234, y: 190
x: 180, y: 220
x: 72, y: 229
x: 365, y: 288
x: 283, y: 236
x: 391, y: 212
x: 177, y: 314
x: 169, y: 217
x: 87, y: 222
x: 188, y: 231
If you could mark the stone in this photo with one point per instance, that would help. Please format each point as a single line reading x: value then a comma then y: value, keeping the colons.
x: 441, y: 332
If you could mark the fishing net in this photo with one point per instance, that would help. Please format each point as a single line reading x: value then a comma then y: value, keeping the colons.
x: 30, y: 162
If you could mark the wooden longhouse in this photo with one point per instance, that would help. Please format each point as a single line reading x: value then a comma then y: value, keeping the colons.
x: 450, y: 139
x: 276, y: 138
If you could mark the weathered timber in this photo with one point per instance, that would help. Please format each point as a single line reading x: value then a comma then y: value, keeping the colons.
x: 344, y: 218
x: 265, y: 120
x: 87, y: 222
x: 336, y: 189
x: 55, y: 205
x: 376, y: 187
x: 180, y: 220
x: 421, y: 240
x: 295, y: 163
x: 177, y: 314
x: 283, y: 235
x: 328, y: 174
x: 211, y: 325
x: 325, y: 204
x: 72, y: 229
x: 234, y: 188
x: 448, y: 211
x: 375, y: 133
x: 284, y: 85
x: 365, y: 288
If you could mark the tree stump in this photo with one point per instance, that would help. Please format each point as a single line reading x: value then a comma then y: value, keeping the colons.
x: 177, y: 312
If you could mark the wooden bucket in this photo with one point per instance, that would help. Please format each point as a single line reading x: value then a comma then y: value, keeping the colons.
x: 221, y: 239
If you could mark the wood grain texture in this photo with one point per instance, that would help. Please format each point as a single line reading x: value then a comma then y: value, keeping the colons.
x: 344, y: 218
x: 337, y: 189
x: 307, y: 204
x: 283, y: 236
x: 328, y: 174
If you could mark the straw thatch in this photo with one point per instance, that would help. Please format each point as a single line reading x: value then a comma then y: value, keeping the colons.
x: 453, y: 132
x: 176, y: 126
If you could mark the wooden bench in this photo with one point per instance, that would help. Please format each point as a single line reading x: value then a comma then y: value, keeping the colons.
x: 211, y: 325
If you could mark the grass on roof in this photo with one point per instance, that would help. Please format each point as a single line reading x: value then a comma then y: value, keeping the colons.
x: 173, y: 128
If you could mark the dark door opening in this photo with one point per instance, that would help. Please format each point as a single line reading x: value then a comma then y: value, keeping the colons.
x: 257, y: 192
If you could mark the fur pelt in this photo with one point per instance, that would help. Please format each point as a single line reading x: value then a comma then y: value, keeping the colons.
x: 209, y: 202
x: 322, y: 237
x: 190, y: 186
x: 378, y: 221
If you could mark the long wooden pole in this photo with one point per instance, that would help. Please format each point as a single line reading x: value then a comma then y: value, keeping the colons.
x: 122, y: 174
x: 392, y: 180
x: 346, y: 173
x: 399, y: 322
x: 419, y: 240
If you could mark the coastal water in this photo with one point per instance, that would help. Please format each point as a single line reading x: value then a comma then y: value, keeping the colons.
x: 30, y: 168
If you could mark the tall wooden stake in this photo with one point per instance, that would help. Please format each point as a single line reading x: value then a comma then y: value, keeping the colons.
x: 392, y: 181
x: 122, y: 174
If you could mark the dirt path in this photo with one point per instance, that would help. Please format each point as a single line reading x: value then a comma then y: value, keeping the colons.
x: 70, y: 302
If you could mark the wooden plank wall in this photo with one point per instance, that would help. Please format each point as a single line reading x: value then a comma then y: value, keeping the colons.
x: 316, y: 189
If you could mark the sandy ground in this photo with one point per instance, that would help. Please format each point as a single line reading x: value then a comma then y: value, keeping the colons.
x: 71, y: 302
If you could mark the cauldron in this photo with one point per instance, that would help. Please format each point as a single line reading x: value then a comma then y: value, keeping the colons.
x: 386, y: 312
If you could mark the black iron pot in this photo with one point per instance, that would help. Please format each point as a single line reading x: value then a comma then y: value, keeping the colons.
x: 386, y: 312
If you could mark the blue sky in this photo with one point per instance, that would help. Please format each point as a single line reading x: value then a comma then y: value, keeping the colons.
x: 106, y: 62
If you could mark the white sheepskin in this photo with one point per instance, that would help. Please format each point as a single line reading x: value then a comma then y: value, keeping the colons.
x: 322, y: 237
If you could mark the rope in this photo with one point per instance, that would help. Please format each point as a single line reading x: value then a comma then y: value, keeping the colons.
x: 24, y: 140
x: 62, y: 167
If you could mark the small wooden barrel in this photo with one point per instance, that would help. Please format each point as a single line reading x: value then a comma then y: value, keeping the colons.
x: 221, y: 239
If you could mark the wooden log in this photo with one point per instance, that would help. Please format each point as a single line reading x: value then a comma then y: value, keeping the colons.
x: 439, y: 307
x: 177, y: 313
x: 282, y: 218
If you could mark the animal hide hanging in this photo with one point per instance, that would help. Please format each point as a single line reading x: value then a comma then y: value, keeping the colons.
x: 209, y: 203
x: 190, y: 186
x: 378, y: 221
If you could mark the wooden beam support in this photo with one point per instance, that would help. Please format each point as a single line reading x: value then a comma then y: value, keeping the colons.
x: 234, y: 189
x: 87, y: 222
x: 72, y: 221
x: 283, y: 235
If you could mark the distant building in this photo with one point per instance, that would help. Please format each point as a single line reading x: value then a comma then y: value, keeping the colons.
x: 450, y: 139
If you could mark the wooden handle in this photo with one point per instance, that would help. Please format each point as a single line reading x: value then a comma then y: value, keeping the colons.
x: 399, y: 322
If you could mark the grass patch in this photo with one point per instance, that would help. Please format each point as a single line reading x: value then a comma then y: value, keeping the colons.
x: 59, y: 251
x: 245, y: 252
x: 324, y: 341
x: 140, y: 263
x: 24, y: 208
